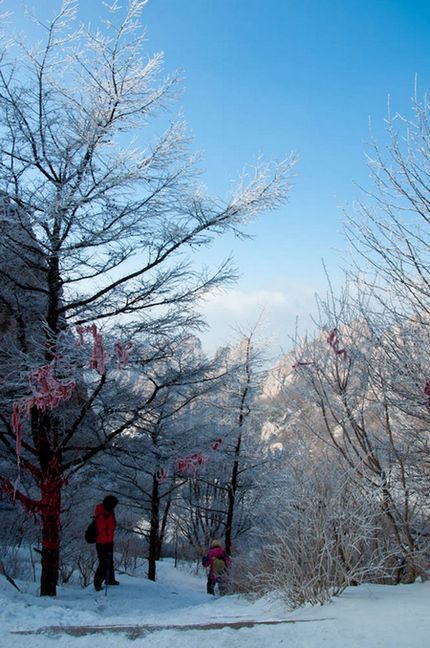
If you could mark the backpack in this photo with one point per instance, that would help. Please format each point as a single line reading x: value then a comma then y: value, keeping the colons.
x: 218, y: 566
x: 91, y: 532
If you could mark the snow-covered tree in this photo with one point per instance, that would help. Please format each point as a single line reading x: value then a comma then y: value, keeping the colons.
x: 219, y: 499
x: 390, y: 229
x: 110, y: 215
x: 345, y: 375
x: 169, y: 442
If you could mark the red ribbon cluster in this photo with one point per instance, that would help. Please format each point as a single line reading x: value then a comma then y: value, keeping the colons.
x: 188, y: 466
x: 47, y: 393
x: 98, y: 360
x: 98, y: 355
x: 122, y: 352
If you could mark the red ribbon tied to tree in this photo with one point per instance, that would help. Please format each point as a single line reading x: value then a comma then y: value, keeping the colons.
x: 189, y: 465
x: 47, y: 393
x: 122, y: 352
x: 98, y: 360
x: 333, y: 341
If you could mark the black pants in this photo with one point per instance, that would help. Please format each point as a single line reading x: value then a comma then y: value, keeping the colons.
x: 210, y: 586
x: 105, y: 569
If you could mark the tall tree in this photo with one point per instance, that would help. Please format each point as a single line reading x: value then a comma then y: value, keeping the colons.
x: 218, y: 495
x: 169, y: 442
x: 390, y: 230
x: 110, y: 221
x: 242, y: 402
x: 345, y: 373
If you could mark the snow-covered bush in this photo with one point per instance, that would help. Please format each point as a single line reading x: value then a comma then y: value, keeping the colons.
x: 315, y: 536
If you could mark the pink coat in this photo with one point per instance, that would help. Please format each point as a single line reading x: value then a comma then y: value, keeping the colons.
x: 216, y: 552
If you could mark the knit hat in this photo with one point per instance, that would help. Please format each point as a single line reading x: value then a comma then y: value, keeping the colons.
x: 110, y: 502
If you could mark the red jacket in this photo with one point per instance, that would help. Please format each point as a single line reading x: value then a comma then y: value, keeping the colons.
x: 105, y: 523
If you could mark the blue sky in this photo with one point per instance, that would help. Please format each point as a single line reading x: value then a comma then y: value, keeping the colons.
x: 274, y: 76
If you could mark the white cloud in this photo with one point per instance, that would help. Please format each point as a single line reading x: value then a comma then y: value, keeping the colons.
x: 275, y: 310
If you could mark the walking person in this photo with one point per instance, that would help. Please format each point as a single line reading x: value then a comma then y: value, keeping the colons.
x: 218, y: 563
x: 105, y: 524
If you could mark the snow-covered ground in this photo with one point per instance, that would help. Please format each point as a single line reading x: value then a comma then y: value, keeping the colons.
x: 369, y: 616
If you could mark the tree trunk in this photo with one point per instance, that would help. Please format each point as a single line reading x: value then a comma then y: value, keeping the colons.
x: 154, y: 533
x: 163, y: 526
x: 50, y: 514
x: 233, y: 486
x: 232, y: 497
x: 51, y: 483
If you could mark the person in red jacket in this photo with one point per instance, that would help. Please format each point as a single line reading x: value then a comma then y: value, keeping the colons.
x: 218, y: 562
x: 105, y: 523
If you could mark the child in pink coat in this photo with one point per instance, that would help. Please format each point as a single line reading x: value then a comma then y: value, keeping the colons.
x: 218, y: 563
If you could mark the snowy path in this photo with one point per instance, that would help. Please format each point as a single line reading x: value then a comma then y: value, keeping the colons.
x: 176, y: 611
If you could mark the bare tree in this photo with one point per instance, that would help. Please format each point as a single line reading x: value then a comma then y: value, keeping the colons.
x: 390, y: 229
x: 344, y: 371
x: 242, y: 402
x: 166, y: 447
x: 109, y: 222
x: 218, y: 498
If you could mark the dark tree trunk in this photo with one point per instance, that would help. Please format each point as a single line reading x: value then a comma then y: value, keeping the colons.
x: 51, y: 483
x: 163, y: 526
x: 234, y: 481
x: 46, y: 441
x: 50, y: 514
x: 154, y: 533
x: 231, y: 497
